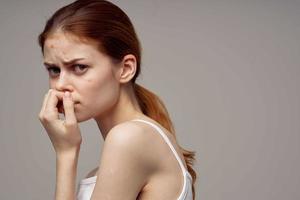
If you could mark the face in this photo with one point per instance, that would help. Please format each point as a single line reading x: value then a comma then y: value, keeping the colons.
x: 91, y: 80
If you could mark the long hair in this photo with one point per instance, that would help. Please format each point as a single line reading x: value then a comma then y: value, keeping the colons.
x: 107, y: 25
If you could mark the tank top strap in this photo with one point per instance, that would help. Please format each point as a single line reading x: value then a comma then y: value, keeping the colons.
x: 166, y: 139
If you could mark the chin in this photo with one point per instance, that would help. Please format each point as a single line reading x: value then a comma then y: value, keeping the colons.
x: 81, y: 118
x: 82, y: 115
x: 85, y: 114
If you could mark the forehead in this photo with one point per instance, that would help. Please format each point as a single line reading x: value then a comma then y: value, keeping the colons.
x: 67, y: 46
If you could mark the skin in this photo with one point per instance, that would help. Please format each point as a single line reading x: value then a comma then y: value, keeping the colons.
x: 102, y: 90
x: 88, y: 87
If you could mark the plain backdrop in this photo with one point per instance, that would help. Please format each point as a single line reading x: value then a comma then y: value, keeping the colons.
x: 228, y: 72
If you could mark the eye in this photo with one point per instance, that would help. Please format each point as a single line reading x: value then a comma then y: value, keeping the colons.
x: 80, y: 67
x: 53, y: 70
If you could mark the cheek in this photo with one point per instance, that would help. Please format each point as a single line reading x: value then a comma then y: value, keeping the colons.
x: 102, y: 94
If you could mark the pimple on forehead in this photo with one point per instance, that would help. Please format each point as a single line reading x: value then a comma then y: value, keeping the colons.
x: 51, y: 44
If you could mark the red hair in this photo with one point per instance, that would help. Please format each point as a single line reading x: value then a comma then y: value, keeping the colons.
x: 107, y: 25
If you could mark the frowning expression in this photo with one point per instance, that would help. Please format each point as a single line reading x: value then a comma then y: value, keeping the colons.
x: 80, y: 68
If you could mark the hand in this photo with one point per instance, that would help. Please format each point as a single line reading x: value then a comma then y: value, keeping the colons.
x: 64, y: 135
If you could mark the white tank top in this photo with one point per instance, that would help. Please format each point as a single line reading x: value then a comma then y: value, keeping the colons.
x: 86, y: 186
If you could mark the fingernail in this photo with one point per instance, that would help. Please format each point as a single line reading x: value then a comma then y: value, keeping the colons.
x: 67, y: 94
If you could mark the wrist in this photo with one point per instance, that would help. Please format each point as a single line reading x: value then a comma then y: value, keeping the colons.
x: 69, y: 154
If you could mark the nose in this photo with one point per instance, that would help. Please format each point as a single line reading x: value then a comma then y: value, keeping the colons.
x: 63, y: 83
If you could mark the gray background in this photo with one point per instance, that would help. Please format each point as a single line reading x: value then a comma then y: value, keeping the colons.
x: 228, y: 72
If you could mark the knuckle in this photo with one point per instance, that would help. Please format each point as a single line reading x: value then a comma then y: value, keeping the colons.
x: 40, y: 117
x: 69, y: 124
x: 46, y: 118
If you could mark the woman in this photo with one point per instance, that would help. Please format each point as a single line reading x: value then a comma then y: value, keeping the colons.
x: 93, y: 56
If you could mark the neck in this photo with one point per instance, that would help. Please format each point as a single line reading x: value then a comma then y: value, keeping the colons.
x: 125, y: 109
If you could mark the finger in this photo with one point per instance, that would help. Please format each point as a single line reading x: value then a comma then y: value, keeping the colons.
x: 44, y: 103
x: 69, y: 108
x: 53, y: 98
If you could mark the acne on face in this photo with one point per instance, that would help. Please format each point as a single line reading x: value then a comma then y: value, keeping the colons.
x: 97, y: 89
x: 55, y: 51
x: 65, y: 47
x: 60, y: 47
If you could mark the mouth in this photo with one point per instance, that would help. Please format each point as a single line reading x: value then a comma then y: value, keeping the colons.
x: 60, y: 107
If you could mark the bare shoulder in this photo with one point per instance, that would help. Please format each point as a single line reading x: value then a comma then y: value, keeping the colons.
x: 124, y: 169
x: 133, y: 138
x: 145, y: 141
x: 126, y: 132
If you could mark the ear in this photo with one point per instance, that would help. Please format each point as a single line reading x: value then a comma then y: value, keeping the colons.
x: 127, y: 69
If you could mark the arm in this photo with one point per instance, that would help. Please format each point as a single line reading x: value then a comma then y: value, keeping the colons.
x: 124, y: 167
x: 66, y: 140
x: 66, y: 169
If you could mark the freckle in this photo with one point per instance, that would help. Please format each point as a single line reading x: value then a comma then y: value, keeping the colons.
x: 51, y: 46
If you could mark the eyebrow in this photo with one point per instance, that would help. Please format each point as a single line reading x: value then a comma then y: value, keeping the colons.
x: 64, y: 62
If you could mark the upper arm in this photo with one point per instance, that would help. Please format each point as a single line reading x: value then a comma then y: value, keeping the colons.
x: 123, y: 169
